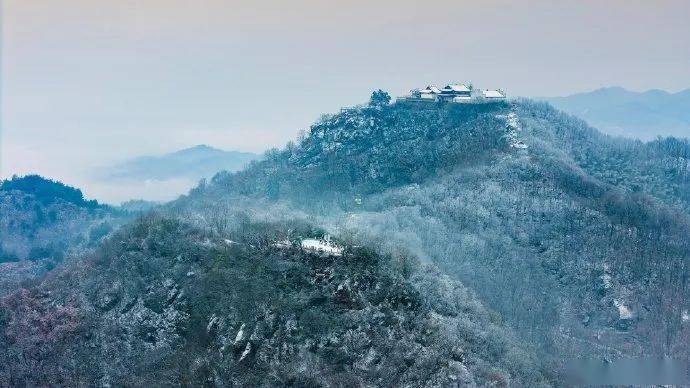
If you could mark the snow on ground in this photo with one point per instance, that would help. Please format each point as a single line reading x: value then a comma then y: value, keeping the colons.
x: 513, y: 127
x: 311, y: 244
x: 606, y: 278
x: 240, y: 335
x: 624, y: 311
x: 283, y: 244
x: 211, y: 323
x: 513, y: 122
x: 246, y: 351
x: 321, y: 246
x: 684, y: 316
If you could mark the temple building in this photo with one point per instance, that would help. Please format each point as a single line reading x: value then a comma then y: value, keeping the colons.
x: 456, y: 93
x: 429, y: 93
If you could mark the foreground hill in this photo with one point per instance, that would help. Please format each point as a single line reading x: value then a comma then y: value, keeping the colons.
x: 162, y: 303
x: 621, y: 112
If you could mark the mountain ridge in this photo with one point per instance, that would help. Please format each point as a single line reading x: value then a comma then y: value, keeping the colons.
x: 621, y: 112
x: 564, y: 161
x: 199, y: 162
x: 568, y: 241
x: 161, y: 178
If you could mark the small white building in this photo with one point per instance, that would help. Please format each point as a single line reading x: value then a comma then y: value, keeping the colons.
x: 429, y: 93
x: 456, y: 89
x: 324, y: 246
x: 451, y: 91
x: 462, y: 99
x: 497, y: 94
x: 456, y: 93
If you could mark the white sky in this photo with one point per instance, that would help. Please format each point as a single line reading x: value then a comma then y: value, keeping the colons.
x: 89, y: 82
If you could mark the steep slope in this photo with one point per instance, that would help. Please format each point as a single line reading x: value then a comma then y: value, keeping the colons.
x: 576, y: 240
x: 621, y: 112
x: 373, y: 149
x: 162, y: 303
x: 658, y: 168
x: 522, y: 203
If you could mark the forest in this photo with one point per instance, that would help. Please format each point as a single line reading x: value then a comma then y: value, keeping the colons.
x: 484, y: 244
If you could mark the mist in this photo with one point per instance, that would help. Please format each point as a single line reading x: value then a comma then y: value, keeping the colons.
x: 89, y: 84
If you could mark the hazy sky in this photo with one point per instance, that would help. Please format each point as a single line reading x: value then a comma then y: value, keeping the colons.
x: 88, y: 82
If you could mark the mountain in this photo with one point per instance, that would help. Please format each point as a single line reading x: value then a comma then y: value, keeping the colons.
x: 47, y: 191
x: 236, y: 296
x: 163, y: 178
x: 196, y: 162
x: 620, y: 112
x: 41, y: 217
x: 42, y: 222
x: 576, y: 239
x: 402, y: 245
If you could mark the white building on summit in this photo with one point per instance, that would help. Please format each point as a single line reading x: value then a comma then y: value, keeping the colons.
x: 429, y: 93
x: 494, y: 94
x: 455, y: 92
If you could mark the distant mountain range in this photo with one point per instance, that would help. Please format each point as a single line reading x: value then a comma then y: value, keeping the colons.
x: 197, y: 162
x: 164, y: 177
x: 621, y: 112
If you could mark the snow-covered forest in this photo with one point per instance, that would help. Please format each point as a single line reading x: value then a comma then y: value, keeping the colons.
x: 392, y: 244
